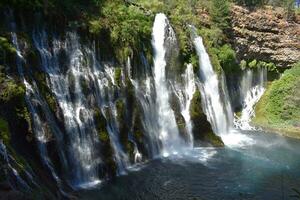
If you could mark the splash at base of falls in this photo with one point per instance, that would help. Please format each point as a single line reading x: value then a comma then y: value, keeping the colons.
x: 235, y: 139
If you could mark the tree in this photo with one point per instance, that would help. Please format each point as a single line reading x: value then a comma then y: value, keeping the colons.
x: 220, y: 13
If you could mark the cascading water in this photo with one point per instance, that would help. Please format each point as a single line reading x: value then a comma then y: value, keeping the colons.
x: 111, y: 117
x: 185, y: 96
x: 252, y: 87
x: 168, y: 130
x: 218, y: 114
x: 145, y: 93
x: 34, y: 100
x: 78, y: 119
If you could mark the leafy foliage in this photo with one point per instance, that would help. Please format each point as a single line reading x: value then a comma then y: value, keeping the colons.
x: 227, y: 58
x: 280, y: 105
x: 220, y: 13
x: 128, y: 26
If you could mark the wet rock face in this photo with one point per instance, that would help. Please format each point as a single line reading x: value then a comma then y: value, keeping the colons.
x: 266, y: 35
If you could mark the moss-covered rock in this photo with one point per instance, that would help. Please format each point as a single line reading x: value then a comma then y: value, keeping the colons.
x: 202, y: 129
x: 110, y: 166
x: 45, y: 91
x: 213, y: 139
x: 180, y: 121
x: 100, y: 123
x: 139, y: 133
x: 123, y: 126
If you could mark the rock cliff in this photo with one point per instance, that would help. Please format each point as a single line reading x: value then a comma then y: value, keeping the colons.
x: 266, y: 35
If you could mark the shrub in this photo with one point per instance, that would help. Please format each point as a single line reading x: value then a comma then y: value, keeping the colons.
x: 128, y: 26
x: 220, y: 13
x: 227, y: 59
x: 280, y: 105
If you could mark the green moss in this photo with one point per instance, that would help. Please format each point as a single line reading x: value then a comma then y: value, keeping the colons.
x: 201, y: 127
x: 5, y: 46
x: 279, y: 108
x: 45, y: 91
x: 196, y: 107
x: 106, y: 149
x: 118, y: 76
x: 4, y: 131
x: 213, y: 139
x: 100, y: 122
x: 123, y: 124
x: 10, y: 90
x: 138, y: 130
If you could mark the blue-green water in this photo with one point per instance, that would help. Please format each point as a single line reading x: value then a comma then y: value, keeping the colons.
x: 262, y: 166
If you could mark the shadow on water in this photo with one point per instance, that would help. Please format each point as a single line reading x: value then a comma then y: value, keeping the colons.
x: 263, y: 166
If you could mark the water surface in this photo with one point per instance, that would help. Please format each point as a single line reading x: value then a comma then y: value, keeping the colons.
x: 254, y: 165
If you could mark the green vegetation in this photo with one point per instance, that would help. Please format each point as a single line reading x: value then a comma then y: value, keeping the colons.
x: 123, y: 126
x: 5, y: 46
x: 118, y: 76
x: 100, y: 122
x: 279, y: 107
x: 182, y: 13
x: 4, y: 131
x: 213, y: 139
x: 106, y: 148
x: 9, y: 89
x: 128, y: 26
x: 220, y: 13
x: 227, y: 58
x: 254, y: 64
x: 65, y: 7
x: 45, y: 91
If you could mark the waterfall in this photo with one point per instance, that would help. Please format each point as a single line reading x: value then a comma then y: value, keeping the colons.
x: 252, y: 87
x: 185, y: 95
x: 78, y: 120
x: 168, y: 130
x: 82, y: 86
x: 105, y: 88
x: 145, y: 93
x: 34, y: 100
x: 218, y: 114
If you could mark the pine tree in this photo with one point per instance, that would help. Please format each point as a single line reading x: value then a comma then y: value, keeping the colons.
x: 220, y: 13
